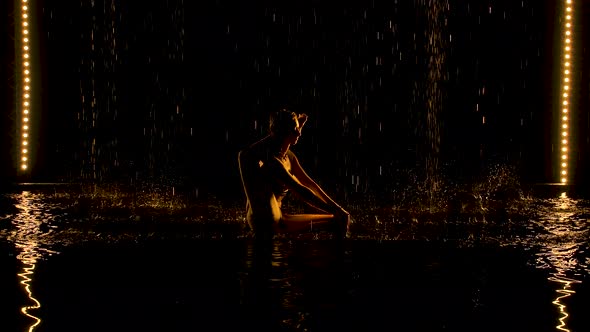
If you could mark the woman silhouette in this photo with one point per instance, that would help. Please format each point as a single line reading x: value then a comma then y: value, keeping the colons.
x: 269, y: 170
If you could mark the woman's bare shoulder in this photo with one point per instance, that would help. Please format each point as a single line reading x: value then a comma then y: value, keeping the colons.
x: 292, y: 158
x: 253, y: 149
x: 291, y: 155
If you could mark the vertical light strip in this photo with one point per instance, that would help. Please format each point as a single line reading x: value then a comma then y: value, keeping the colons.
x: 566, y: 91
x: 25, y: 99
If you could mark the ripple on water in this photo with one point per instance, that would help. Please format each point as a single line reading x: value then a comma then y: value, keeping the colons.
x: 554, y: 232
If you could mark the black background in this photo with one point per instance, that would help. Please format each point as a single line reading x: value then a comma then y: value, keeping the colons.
x: 181, y: 86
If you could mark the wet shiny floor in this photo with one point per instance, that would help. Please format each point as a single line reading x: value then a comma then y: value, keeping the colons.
x: 529, y: 272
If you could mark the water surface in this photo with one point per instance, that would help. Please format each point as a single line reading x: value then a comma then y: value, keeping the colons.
x: 65, y: 269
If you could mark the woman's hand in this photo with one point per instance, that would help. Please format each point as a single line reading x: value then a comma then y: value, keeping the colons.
x: 342, y: 217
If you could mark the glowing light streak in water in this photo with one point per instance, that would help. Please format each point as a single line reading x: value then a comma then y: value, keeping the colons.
x: 29, y: 271
x: 566, y: 90
x: 27, y: 225
x: 27, y: 230
x: 565, y: 292
x: 25, y: 93
x: 567, y: 234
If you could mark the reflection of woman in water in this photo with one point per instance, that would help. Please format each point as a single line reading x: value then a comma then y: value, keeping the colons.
x: 269, y: 170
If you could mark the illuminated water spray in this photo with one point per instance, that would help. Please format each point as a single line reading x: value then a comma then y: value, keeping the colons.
x: 429, y: 92
x: 566, y: 90
x: 24, y: 94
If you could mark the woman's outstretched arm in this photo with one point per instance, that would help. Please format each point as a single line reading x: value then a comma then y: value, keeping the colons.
x: 280, y: 173
x: 307, y: 181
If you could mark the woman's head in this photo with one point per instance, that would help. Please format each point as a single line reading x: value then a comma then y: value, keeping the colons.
x: 285, y: 124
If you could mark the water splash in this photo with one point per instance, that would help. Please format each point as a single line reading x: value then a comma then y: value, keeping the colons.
x: 554, y: 231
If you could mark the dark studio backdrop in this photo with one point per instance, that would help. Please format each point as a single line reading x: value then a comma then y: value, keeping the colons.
x: 170, y: 91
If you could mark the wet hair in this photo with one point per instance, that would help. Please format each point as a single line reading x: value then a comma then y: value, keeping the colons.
x: 282, y: 122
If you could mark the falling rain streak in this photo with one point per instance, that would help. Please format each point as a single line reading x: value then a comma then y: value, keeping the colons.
x: 393, y: 88
x: 99, y: 104
x: 430, y: 92
x: 126, y: 84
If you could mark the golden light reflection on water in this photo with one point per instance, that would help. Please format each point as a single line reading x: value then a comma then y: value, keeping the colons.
x: 28, y: 224
x: 270, y: 282
x: 563, y: 293
x: 26, y: 278
x: 567, y: 234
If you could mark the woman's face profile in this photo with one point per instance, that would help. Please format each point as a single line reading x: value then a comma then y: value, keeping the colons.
x: 299, y: 123
x: 296, y: 133
x: 290, y: 130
